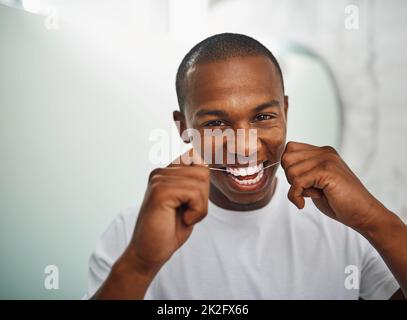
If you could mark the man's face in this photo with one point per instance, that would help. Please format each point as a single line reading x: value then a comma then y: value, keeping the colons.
x: 239, y: 93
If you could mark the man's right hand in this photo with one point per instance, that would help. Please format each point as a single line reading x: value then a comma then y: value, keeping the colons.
x: 175, y: 200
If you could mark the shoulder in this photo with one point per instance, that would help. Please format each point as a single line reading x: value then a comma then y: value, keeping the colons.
x: 116, y: 237
x: 123, y: 224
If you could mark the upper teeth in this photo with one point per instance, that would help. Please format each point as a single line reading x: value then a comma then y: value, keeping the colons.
x: 245, y: 171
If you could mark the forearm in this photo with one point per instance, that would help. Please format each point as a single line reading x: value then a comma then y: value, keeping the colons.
x: 388, y: 234
x: 128, y: 280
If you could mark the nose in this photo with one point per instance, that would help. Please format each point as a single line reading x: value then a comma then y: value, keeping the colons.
x: 246, y: 146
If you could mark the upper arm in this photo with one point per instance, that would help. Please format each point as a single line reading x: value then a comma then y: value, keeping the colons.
x: 398, y: 295
x: 377, y: 281
x: 108, y: 249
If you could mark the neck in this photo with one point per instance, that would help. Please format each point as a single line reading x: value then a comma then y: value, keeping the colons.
x: 219, y: 199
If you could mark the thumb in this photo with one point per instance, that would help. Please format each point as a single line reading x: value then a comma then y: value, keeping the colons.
x: 192, y: 217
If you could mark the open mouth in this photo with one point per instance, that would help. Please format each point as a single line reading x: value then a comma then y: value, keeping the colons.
x: 249, y: 176
x: 246, y: 175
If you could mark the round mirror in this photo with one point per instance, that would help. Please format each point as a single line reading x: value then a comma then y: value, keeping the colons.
x: 315, y: 111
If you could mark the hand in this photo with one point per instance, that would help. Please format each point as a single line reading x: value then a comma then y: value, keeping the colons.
x: 175, y: 200
x: 320, y: 173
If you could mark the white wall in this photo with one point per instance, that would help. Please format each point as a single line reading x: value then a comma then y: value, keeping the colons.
x: 370, y: 66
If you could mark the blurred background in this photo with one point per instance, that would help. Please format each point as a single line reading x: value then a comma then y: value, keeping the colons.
x: 84, y: 83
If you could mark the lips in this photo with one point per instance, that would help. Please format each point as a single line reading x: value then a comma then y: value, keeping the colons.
x: 245, y: 171
x: 253, y: 181
x: 249, y: 177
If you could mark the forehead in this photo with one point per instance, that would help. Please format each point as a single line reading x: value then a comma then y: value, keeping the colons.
x: 232, y: 83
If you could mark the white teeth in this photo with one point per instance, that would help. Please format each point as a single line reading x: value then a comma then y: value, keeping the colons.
x: 245, y: 171
x: 249, y: 181
x: 251, y: 170
x: 236, y: 172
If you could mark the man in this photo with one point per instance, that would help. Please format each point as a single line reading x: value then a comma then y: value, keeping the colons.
x: 232, y: 233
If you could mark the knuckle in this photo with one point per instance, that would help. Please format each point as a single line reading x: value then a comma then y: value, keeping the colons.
x: 195, y: 190
x: 156, y: 179
x: 327, y: 165
x: 290, y: 195
x: 204, y: 185
x: 290, y: 145
x: 204, y: 209
x: 285, y: 160
x: 202, y: 172
x: 296, y: 182
x: 154, y: 188
x: 292, y: 171
x: 202, y: 205
x: 154, y: 172
x: 289, y: 174
x: 331, y: 157
x: 329, y: 149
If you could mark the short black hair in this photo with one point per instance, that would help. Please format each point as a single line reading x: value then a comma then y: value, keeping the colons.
x: 219, y: 47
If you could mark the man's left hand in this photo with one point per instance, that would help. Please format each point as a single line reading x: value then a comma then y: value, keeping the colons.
x: 321, y: 174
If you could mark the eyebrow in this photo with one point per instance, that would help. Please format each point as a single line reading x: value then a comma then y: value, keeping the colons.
x: 269, y: 104
x: 220, y: 113
x: 207, y: 112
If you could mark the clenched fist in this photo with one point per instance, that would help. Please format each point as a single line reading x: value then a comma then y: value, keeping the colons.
x: 320, y: 173
x: 176, y: 199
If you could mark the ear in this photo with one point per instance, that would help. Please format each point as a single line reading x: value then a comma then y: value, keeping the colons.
x: 181, y: 125
x: 285, y: 107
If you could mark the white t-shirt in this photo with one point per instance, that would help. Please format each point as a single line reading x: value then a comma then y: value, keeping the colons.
x: 276, y: 252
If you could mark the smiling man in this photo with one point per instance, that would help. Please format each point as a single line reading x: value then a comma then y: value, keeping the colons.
x: 249, y: 231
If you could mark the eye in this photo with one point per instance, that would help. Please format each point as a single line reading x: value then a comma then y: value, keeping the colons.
x: 263, y: 116
x: 215, y: 123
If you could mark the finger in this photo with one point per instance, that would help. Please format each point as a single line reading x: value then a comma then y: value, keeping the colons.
x: 192, y: 216
x: 297, y: 146
x: 190, y: 196
x: 191, y: 205
x: 169, y: 184
x: 313, y: 193
x: 290, y: 158
x: 194, y: 205
x: 297, y: 168
x: 315, y: 178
